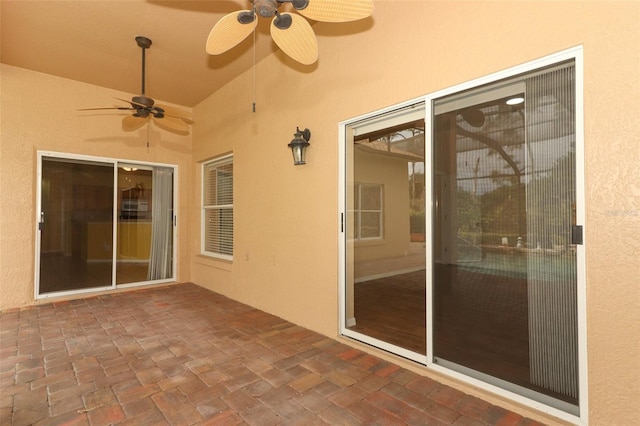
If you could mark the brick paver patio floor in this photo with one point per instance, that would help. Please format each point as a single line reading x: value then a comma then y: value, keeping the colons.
x: 182, y: 355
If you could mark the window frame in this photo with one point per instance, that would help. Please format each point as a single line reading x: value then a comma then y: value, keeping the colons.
x: 215, y: 163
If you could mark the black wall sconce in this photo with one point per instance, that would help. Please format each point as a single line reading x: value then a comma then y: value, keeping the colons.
x: 299, y: 146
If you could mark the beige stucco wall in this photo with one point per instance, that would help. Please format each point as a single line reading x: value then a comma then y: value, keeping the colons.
x: 286, y: 218
x: 39, y: 112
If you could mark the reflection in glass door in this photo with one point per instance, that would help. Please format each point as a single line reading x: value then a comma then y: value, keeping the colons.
x: 385, y: 294
x: 504, y: 254
x: 145, y: 223
x: 75, y: 225
x: 134, y: 223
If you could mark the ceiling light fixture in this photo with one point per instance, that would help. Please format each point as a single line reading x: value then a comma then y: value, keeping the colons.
x: 515, y: 101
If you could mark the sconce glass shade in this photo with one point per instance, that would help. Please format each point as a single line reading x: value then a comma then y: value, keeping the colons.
x: 299, y: 146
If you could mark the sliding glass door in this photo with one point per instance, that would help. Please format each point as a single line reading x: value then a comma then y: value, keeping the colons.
x: 384, y: 230
x: 135, y: 186
x: 145, y: 223
x: 75, y: 224
x: 461, y: 236
x: 504, y: 235
x: 102, y: 223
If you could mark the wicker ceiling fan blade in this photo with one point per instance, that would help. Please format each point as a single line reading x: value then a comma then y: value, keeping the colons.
x: 298, y: 40
x: 131, y: 123
x: 230, y: 31
x: 337, y: 10
x: 172, y: 124
x: 134, y: 105
x: 106, y: 108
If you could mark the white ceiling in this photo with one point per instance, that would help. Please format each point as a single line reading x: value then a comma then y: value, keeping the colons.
x: 93, y: 41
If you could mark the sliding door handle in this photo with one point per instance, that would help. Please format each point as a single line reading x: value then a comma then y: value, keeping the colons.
x: 576, y: 234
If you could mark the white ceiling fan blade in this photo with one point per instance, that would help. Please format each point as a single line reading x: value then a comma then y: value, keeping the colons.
x: 131, y: 123
x: 170, y: 111
x: 337, y: 10
x: 298, y: 41
x: 229, y: 32
x: 172, y: 124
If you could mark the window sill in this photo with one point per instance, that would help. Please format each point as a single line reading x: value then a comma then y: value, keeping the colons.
x: 214, y: 262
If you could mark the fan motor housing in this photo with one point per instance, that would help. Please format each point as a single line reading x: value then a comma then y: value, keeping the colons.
x: 266, y: 8
x: 143, y: 100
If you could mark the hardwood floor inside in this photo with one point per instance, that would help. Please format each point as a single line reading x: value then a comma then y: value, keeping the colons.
x: 392, y: 309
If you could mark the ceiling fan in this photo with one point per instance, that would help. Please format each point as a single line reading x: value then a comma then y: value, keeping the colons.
x: 144, y: 108
x: 290, y: 31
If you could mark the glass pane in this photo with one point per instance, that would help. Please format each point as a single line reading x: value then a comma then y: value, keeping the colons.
x: 370, y: 225
x: 219, y: 231
x: 385, y: 265
x: 370, y: 197
x: 135, y: 204
x: 76, y: 225
x: 504, y: 266
x: 218, y: 188
x: 224, y: 183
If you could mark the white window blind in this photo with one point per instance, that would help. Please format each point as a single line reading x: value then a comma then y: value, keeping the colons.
x: 217, y: 208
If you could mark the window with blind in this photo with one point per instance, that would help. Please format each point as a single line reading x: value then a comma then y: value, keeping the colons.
x: 368, y: 211
x: 217, y: 208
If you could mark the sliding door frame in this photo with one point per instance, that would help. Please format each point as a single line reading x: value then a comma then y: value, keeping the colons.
x: 342, y: 236
x: 575, y: 54
x: 115, y: 163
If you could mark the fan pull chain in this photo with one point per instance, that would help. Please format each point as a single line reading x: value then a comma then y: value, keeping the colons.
x: 254, y: 70
x: 148, y: 126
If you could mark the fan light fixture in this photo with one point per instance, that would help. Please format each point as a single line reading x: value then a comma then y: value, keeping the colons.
x: 299, y: 145
x: 515, y: 101
x: 291, y: 32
